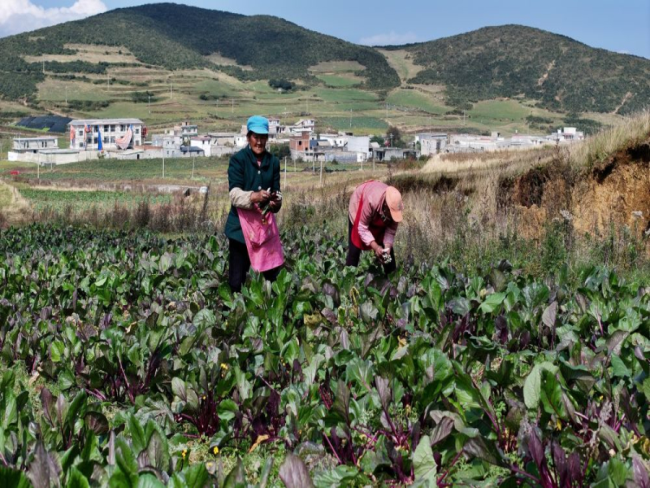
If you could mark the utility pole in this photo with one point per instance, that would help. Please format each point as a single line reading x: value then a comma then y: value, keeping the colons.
x: 66, y: 94
x: 321, y: 172
x: 163, y: 161
x: 193, y: 158
x: 38, y: 167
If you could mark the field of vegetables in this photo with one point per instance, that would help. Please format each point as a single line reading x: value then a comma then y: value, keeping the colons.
x: 127, y: 361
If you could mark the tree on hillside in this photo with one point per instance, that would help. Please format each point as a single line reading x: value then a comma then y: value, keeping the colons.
x: 283, y: 84
x: 394, y: 135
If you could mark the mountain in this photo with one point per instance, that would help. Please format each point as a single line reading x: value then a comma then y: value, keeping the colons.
x: 180, y: 37
x: 515, y: 61
x: 553, y: 71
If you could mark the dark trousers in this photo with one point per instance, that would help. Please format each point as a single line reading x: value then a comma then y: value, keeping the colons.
x: 240, y: 263
x: 354, y: 254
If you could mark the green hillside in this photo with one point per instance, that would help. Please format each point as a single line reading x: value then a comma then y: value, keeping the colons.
x: 166, y: 62
x: 516, y: 61
x: 181, y: 37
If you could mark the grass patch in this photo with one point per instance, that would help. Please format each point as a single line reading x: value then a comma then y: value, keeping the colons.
x: 144, y: 169
x: 338, y: 81
x: 402, y: 62
x: 343, y: 95
x: 60, y: 199
x: 58, y: 90
x: 355, y: 123
x: 337, y: 67
x: 416, y: 99
x: 502, y: 110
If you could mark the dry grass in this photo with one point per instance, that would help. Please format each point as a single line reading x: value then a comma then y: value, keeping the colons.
x: 14, y: 209
x: 629, y: 132
x: 90, y: 54
x: 220, y: 60
x: 505, y: 163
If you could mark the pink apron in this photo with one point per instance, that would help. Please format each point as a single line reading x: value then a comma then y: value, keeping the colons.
x: 262, y: 239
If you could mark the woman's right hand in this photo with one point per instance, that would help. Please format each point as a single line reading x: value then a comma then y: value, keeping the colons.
x: 260, y: 196
x: 378, y: 250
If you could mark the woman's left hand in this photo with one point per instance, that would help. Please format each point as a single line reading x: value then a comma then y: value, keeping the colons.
x: 276, y: 201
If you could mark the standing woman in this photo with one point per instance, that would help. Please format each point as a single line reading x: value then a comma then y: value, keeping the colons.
x: 254, y: 185
x: 375, y: 212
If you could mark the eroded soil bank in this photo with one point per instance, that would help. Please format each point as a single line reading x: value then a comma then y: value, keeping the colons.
x: 613, y: 194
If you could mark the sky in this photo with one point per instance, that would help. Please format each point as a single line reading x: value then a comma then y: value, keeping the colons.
x: 617, y: 25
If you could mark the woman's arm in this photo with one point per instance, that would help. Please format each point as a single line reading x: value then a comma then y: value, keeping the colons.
x: 364, y: 223
x: 389, y: 234
x: 238, y: 197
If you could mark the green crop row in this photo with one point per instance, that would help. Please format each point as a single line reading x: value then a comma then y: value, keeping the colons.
x: 129, y: 362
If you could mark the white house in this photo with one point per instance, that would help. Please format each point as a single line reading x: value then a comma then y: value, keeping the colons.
x: 114, y: 133
x: 431, y: 143
x: 336, y: 140
x: 359, y: 145
x: 35, y: 144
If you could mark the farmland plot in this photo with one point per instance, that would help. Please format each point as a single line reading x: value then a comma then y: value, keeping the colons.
x: 128, y: 361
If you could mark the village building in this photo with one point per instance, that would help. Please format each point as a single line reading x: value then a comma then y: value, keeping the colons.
x: 431, y: 142
x: 35, y: 144
x: 104, y: 134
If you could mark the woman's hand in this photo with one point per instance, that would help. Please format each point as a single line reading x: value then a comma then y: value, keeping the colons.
x: 276, y: 201
x: 261, y: 196
x: 378, y: 250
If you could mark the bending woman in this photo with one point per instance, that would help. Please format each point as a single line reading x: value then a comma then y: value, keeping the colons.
x: 374, y: 214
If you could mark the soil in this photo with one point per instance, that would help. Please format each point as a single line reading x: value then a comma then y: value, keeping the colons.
x: 614, y: 193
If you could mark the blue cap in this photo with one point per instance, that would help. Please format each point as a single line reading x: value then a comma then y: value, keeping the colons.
x: 258, y: 124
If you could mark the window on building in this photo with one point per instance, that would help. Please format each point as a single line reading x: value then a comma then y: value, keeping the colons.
x: 106, y: 128
x: 137, y: 131
x: 81, y: 144
x: 122, y: 128
x: 105, y: 138
x: 112, y: 139
x: 94, y: 140
x: 81, y: 132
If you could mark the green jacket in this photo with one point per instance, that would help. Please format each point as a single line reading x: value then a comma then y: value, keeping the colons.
x: 244, y: 173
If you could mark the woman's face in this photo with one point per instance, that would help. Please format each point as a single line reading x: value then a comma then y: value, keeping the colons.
x: 385, y: 213
x: 257, y: 142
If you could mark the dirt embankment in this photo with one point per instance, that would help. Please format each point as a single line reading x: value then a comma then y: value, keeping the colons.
x: 612, y: 194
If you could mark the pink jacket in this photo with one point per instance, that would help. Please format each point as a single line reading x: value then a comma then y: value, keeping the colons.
x: 374, y: 193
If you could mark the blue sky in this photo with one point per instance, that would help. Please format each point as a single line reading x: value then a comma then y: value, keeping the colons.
x: 617, y: 25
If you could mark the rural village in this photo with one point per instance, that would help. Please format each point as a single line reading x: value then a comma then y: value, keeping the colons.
x: 126, y: 139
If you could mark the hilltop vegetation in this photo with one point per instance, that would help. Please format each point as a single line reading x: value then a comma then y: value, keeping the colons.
x: 181, y: 37
x: 516, y: 61
x: 196, y: 64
